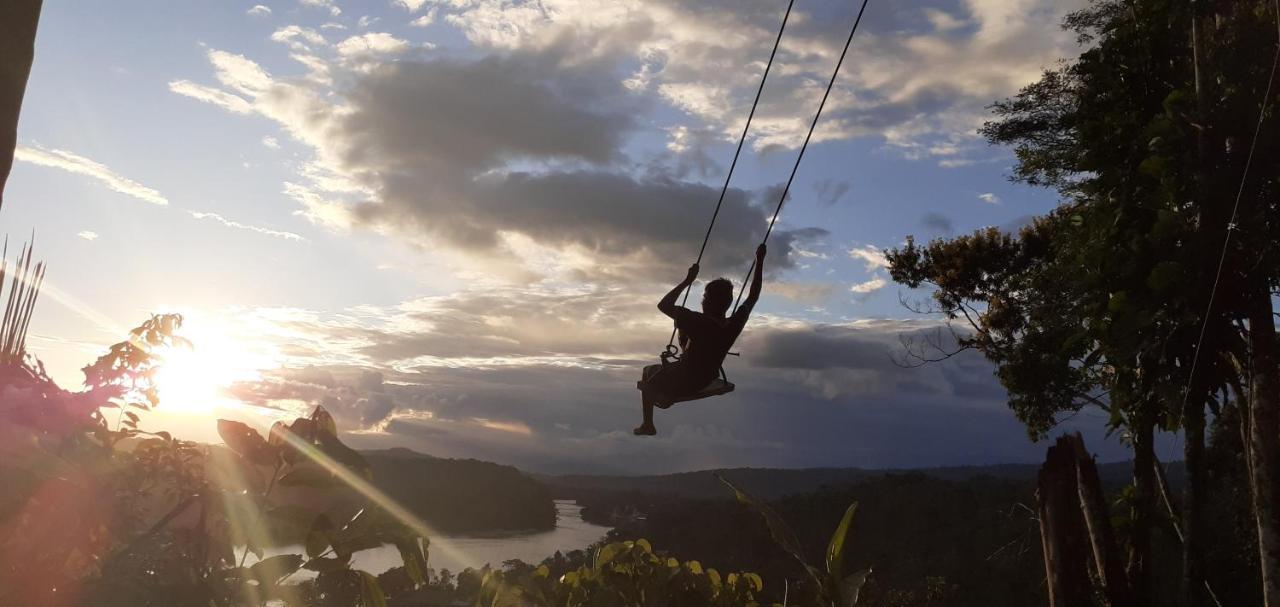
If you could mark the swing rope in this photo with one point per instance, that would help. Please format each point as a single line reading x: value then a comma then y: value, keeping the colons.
x: 787, y: 189
x: 741, y: 140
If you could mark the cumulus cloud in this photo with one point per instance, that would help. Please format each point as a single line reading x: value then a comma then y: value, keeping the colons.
x: 867, y: 287
x: 989, y: 198
x: 425, y: 20
x: 89, y: 235
x: 259, y: 10
x: 298, y: 37
x: 371, y: 44
x: 871, y: 256
x: 429, y: 147
x: 411, y: 5
x: 74, y: 163
x: 919, y: 77
x: 271, y: 142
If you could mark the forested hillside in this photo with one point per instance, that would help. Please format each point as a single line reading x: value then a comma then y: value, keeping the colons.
x: 462, y: 495
x: 771, y: 483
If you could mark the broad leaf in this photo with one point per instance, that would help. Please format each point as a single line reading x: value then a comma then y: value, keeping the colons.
x: 246, y: 441
x: 851, y: 588
x: 269, y: 570
x: 782, y: 534
x: 371, y: 594
x: 835, y: 549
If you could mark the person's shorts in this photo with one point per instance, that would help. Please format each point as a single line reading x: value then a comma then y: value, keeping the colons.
x: 663, y: 382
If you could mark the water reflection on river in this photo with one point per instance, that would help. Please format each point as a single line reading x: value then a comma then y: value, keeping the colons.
x: 456, y: 553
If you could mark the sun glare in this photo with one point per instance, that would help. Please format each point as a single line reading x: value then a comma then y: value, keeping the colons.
x: 195, y: 380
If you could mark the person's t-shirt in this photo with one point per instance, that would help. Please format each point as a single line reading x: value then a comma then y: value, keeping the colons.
x: 709, y: 339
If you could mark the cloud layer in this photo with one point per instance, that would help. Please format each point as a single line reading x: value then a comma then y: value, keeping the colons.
x: 531, y: 155
x: 67, y: 161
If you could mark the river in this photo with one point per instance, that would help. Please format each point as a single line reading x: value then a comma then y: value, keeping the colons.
x: 457, y: 552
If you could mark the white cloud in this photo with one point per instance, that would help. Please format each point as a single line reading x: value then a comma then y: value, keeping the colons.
x: 371, y: 44
x: 298, y: 37
x: 989, y: 198
x: 426, y: 19
x: 220, y: 98
x: 412, y: 5
x: 870, y: 286
x: 271, y: 142
x: 259, y: 10
x: 318, y: 209
x: 241, y: 226
x: 871, y: 256
x: 324, y: 4
x: 942, y: 21
x: 921, y: 77
x: 67, y: 161
x: 318, y: 70
x: 89, y: 235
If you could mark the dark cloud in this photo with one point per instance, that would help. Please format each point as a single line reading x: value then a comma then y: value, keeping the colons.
x: 831, y: 191
x: 938, y: 223
x: 437, y: 141
x: 819, y: 347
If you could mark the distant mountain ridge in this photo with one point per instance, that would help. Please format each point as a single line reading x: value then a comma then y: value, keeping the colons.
x: 774, y: 483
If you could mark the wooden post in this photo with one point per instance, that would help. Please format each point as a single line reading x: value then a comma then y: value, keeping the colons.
x: 1062, y: 529
x: 1093, y: 505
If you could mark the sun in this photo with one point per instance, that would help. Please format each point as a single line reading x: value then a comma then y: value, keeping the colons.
x: 195, y: 380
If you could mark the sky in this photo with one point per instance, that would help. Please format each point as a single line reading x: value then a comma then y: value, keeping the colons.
x: 448, y: 221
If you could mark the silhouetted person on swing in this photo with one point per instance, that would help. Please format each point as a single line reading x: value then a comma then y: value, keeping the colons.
x: 705, y: 337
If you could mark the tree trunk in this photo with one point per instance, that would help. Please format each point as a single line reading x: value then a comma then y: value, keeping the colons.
x: 1264, y: 441
x: 1062, y: 531
x: 1143, y: 502
x: 18, y: 19
x: 1193, y: 401
x: 1193, y: 578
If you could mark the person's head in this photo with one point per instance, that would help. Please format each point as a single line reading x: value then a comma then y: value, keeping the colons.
x: 717, y: 296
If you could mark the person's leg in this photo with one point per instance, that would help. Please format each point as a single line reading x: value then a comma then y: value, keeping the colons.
x: 646, y: 427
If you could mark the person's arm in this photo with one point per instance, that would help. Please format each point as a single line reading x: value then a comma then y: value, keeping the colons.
x: 668, y: 304
x: 757, y: 277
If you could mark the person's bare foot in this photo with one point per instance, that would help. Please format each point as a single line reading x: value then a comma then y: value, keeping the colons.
x: 645, y: 430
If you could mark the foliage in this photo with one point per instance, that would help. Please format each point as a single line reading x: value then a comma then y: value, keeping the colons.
x: 627, y: 574
x: 832, y: 586
x: 962, y: 542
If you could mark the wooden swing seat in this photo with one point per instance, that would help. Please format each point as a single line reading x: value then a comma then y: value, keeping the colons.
x: 718, y: 386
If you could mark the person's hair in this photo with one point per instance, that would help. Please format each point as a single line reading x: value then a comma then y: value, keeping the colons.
x: 718, y: 295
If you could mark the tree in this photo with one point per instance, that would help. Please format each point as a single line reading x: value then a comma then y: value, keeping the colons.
x: 1145, y: 136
